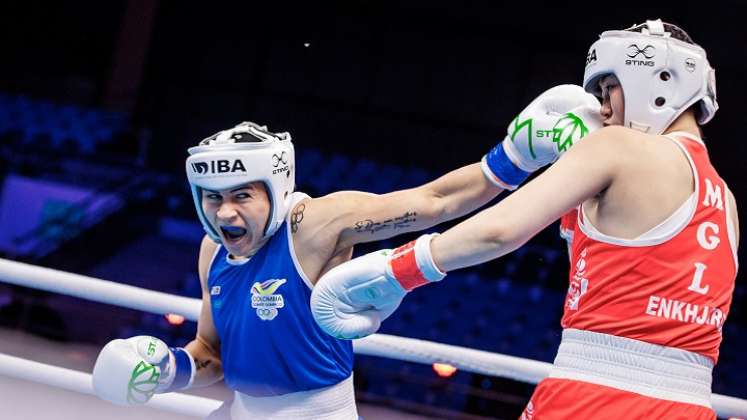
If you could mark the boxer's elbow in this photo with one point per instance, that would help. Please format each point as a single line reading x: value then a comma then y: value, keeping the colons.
x: 440, y: 207
x: 498, y: 235
x: 501, y: 238
x: 429, y: 206
x: 474, y: 243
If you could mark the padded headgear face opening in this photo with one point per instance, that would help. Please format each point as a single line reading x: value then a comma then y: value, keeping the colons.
x: 243, y: 154
x: 661, y: 76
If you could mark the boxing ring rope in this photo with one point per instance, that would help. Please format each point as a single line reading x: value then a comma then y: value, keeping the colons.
x: 382, y: 345
x: 72, y: 380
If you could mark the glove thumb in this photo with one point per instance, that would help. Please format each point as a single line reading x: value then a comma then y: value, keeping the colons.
x: 339, y: 319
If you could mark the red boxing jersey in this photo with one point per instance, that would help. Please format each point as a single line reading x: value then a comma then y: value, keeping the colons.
x: 673, y: 290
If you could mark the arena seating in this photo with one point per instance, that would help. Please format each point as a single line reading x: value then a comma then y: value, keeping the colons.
x: 57, y: 126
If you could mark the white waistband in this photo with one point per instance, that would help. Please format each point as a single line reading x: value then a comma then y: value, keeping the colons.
x: 333, y: 402
x: 631, y: 365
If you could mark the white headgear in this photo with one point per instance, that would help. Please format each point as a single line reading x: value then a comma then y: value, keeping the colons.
x: 660, y: 76
x: 237, y: 156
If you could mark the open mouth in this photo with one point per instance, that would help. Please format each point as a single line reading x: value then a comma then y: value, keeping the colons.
x: 233, y: 233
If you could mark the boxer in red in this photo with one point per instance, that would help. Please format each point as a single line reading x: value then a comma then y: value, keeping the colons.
x: 653, y: 237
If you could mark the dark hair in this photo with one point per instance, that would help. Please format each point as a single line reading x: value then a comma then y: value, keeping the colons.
x: 676, y: 31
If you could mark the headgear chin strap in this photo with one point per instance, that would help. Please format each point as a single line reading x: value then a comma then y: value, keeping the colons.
x: 240, y: 155
x: 660, y: 76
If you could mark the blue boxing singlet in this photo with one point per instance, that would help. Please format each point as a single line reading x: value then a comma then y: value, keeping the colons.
x: 270, y: 343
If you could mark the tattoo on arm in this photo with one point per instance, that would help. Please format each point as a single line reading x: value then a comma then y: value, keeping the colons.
x: 201, y: 364
x: 297, y: 217
x: 399, y: 222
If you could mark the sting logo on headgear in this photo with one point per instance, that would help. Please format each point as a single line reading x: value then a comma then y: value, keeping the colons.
x: 661, y: 75
x: 591, y: 56
x: 221, y: 166
x: 648, y: 52
x: 634, y: 50
x: 277, y: 160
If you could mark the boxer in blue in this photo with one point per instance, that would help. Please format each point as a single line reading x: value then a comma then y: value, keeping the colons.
x: 266, y: 247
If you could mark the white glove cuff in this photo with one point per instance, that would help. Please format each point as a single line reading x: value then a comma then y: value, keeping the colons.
x: 424, y: 258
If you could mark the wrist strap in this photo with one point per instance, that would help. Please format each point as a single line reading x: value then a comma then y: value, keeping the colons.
x: 184, y: 369
x: 504, y: 172
x: 412, y: 264
x: 491, y: 176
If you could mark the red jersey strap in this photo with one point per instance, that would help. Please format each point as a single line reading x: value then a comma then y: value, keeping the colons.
x: 712, y: 192
x: 568, y: 225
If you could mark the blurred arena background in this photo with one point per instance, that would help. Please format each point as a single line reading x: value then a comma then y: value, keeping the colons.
x: 100, y: 100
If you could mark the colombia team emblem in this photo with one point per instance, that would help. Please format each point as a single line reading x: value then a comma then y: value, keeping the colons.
x: 265, y: 300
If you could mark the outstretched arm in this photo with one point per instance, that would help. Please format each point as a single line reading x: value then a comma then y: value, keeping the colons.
x: 369, y: 288
x: 365, y: 217
x: 537, y: 136
x: 583, y: 172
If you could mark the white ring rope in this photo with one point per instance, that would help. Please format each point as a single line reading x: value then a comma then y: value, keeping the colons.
x: 97, y: 290
x: 72, y: 380
x: 381, y: 345
x: 477, y: 361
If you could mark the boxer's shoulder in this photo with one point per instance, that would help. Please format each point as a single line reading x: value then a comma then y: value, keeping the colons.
x: 313, y: 234
x: 208, y: 247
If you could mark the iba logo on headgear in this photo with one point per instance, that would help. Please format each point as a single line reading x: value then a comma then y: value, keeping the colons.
x: 591, y: 57
x: 218, y: 166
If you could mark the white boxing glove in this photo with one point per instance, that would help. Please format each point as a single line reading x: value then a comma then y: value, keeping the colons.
x: 541, y: 133
x: 352, y: 299
x: 129, y: 372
